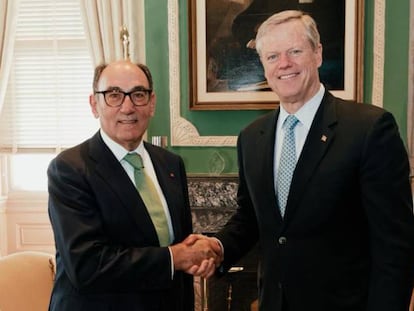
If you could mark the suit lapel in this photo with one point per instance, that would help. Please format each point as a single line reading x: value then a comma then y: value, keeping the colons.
x: 112, y: 172
x: 320, y: 137
x: 265, y: 145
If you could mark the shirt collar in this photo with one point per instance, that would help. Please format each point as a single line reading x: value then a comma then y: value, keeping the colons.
x: 117, y: 149
x: 307, y: 112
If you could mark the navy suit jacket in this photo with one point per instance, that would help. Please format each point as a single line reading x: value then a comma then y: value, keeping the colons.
x: 346, y: 241
x: 107, y: 251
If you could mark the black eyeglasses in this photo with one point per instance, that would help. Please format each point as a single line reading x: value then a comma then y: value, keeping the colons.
x: 116, y: 97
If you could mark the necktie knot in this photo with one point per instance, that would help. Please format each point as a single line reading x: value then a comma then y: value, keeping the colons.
x: 135, y: 160
x: 290, y: 122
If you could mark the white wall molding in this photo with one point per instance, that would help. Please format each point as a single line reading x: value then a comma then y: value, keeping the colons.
x: 378, y: 53
x: 25, y: 224
x: 183, y: 132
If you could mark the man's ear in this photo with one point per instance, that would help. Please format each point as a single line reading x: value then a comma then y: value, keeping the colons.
x: 153, y: 101
x: 93, y: 103
x: 319, y: 51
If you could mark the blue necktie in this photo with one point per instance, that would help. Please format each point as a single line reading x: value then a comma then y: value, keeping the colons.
x: 287, y: 162
x: 149, y: 195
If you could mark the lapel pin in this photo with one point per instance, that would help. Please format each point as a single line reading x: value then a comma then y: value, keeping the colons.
x: 172, y: 175
x: 324, y: 138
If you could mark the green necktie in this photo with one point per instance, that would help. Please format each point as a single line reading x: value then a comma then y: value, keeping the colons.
x: 149, y: 195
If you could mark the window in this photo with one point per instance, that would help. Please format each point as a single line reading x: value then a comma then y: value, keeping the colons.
x: 29, y: 172
x: 46, y: 104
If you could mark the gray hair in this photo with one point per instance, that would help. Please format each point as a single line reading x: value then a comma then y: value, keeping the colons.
x: 312, y: 32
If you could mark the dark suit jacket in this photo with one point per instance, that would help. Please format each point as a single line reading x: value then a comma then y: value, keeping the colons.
x: 346, y: 241
x: 107, y: 250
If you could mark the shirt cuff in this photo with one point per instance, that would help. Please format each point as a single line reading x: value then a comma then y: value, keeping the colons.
x: 172, y: 262
x: 221, y: 245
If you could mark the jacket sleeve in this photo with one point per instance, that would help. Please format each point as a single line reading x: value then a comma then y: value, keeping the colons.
x: 387, y: 199
x: 92, y: 259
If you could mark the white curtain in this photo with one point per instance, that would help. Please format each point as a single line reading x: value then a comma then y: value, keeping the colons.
x: 103, y: 20
x: 8, y: 14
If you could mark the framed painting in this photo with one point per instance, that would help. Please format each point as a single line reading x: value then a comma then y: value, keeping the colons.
x: 225, y: 70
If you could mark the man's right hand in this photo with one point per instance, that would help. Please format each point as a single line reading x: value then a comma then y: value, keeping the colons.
x: 198, y: 255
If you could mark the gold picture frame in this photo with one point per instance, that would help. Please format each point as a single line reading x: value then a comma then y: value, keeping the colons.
x: 213, y: 22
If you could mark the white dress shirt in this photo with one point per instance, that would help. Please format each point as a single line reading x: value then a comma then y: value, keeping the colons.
x: 120, y: 153
x: 305, y: 115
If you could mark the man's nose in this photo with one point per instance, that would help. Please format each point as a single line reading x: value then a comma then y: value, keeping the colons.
x: 284, y: 60
x: 127, y: 104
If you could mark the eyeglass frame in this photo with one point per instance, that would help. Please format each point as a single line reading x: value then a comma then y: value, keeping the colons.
x: 125, y: 94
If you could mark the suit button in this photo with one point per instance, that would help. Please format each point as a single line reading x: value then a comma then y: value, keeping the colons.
x: 282, y: 240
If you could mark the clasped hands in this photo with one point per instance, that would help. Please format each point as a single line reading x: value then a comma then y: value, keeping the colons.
x: 198, y: 255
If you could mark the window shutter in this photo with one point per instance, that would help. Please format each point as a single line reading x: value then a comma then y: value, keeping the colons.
x: 46, y: 105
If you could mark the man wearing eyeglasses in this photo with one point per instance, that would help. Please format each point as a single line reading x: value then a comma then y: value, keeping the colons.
x: 115, y: 250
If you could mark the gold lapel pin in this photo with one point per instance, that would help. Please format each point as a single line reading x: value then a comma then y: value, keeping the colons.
x: 324, y: 138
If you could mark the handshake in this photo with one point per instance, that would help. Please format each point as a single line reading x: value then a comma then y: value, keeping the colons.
x: 198, y: 255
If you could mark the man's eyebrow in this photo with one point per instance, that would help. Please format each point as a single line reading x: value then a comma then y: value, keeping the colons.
x: 139, y: 88
x: 113, y: 88
x: 133, y: 89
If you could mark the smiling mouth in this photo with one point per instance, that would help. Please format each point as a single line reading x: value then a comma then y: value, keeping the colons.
x: 289, y: 76
x: 128, y: 121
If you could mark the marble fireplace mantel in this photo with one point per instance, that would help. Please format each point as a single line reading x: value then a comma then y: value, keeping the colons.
x: 212, y: 201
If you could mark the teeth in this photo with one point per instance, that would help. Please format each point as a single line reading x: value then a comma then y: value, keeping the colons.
x: 287, y: 76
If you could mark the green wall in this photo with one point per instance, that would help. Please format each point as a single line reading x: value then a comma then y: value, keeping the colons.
x: 395, y: 94
x: 231, y: 122
x: 396, y: 61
